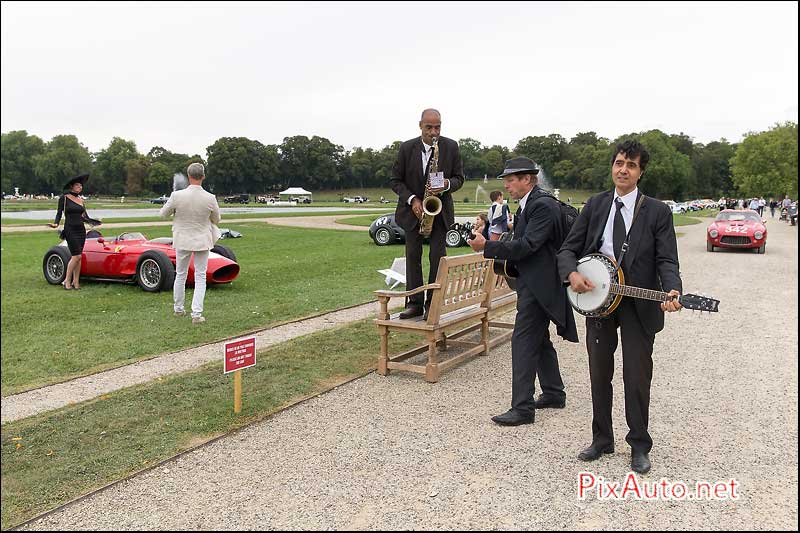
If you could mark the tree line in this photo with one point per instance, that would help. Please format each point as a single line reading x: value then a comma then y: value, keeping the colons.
x: 764, y: 163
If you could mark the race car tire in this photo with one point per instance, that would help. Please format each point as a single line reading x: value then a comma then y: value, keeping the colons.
x: 709, y: 247
x: 762, y: 248
x: 453, y: 238
x: 224, y: 251
x: 54, y: 264
x: 382, y: 237
x: 154, y: 271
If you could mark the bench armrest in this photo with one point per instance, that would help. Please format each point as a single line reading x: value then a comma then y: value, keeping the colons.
x: 384, y: 296
x: 397, y: 294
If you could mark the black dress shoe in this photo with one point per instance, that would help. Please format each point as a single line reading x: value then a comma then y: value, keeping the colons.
x: 544, y: 403
x: 514, y: 418
x: 640, y: 462
x: 595, y: 452
x: 411, y: 312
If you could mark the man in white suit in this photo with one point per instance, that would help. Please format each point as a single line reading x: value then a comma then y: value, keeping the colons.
x: 194, y: 231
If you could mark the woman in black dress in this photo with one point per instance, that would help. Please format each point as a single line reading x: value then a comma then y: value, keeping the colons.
x: 71, y: 204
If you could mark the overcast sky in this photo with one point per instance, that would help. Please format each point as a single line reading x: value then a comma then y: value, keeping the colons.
x: 181, y: 75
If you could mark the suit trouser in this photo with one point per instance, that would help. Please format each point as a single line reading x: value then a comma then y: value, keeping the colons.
x: 182, y: 259
x: 532, y: 353
x: 438, y: 249
x: 637, y: 374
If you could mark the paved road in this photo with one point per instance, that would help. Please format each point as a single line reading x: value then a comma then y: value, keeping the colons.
x: 398, y: 453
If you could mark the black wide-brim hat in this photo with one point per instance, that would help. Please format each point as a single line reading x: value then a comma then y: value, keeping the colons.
x: 519, y: 165
x: 77, y: 179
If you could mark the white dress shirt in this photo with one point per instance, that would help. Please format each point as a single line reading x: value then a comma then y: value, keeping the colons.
x: 607, y: 247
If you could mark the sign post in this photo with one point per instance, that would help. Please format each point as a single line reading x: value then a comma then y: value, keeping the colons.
x: 239, y: 355
x: 237, y: 391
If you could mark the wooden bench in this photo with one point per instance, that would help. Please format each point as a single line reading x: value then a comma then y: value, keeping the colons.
x: 466, y: 290
x: 503, y: 298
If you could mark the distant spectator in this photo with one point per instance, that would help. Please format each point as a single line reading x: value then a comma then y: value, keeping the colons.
x: 499, y: 216
x: 753, y: 204
x: 482, y: 225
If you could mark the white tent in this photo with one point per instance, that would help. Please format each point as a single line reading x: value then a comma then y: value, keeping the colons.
x: 295, y: 191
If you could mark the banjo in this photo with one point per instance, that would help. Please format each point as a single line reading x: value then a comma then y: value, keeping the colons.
x: 609, y: 282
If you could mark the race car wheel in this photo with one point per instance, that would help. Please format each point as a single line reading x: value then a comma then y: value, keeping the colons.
x: 453, y: 238
x: 154, y: 271
x: 709, y: 247
x: 383, y: 236
x: 762, y: 248
x: 224, y: 251
x: 54, y: 264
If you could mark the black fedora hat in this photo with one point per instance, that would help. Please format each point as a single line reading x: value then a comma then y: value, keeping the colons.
x: 77, y: 179
x: 519, y: 165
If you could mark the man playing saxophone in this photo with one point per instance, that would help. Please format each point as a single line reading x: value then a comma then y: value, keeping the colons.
x: 413, y: 183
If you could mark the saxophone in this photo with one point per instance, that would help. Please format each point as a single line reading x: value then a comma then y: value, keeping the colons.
x: 431, y: 204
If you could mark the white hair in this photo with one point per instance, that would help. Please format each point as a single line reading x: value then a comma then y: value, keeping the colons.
x: 196, y: 171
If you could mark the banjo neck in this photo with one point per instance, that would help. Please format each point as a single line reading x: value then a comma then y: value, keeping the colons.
x: 636, y: 292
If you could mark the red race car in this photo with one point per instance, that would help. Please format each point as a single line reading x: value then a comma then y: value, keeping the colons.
x: 132, y: 258
x: 737, y: 229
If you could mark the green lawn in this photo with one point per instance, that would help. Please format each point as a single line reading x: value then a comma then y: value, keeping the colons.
x: 52, y: 458
x: 50, y: 335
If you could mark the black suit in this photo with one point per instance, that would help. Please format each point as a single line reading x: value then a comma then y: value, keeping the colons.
x: 651, y: 262
x: 541, y: 298
x: 407, y: 179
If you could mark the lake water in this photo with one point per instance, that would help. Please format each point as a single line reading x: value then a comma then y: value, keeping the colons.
x: 50, y: 214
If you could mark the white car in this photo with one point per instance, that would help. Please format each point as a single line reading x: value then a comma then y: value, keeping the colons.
x: 676, y: 208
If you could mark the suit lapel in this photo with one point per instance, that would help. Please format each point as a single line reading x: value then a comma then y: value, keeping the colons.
x: 416, y: 161
x: 600, y: 219
x: 520, y: 225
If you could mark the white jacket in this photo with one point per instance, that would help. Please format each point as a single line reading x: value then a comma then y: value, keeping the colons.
x: 196, y: 213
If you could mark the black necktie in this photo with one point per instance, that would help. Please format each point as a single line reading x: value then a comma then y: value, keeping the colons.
x: 619, y: 228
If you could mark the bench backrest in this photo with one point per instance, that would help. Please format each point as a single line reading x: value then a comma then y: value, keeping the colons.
x: 465, y: 280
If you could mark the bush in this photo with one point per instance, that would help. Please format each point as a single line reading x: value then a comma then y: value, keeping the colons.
x: 466, y: 199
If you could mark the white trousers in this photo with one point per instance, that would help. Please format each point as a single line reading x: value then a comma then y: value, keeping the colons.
x: 182, y: 272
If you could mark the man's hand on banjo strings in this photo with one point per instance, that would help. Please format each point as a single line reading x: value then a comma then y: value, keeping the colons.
x: 580, y: 283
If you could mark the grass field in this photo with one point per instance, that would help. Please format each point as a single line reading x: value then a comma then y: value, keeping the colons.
x: 50, y: 335
x: 57, y: 456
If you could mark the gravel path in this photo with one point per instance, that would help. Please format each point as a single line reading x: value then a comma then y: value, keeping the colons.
x: 398, y: 453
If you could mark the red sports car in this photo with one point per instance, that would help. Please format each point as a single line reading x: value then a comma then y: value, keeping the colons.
x: 131, y: 257
x: 737, y: 229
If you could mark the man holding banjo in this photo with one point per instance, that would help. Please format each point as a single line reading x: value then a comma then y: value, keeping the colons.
x: 638, y: 233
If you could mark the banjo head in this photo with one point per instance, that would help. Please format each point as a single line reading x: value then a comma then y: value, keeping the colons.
x: 601, y: 271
